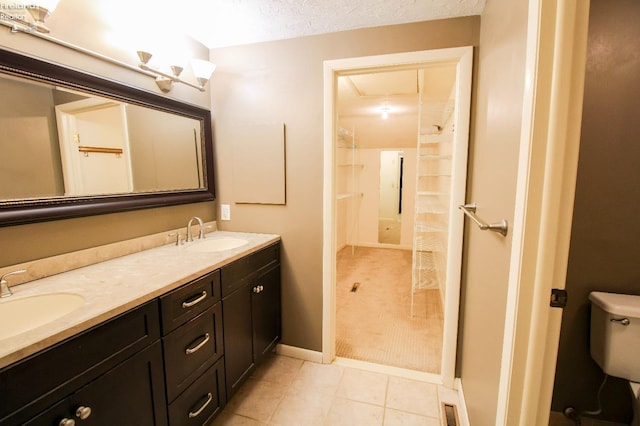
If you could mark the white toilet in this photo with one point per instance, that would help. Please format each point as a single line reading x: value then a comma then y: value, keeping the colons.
x: 615, y: 339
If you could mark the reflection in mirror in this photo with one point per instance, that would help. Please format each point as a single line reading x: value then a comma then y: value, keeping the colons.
x: 390, y: 205
x: 74, y: 144
x: 65, y: 143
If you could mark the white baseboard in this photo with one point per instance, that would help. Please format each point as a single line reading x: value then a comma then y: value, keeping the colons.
x: 299, y: 353
x: 463, y: 416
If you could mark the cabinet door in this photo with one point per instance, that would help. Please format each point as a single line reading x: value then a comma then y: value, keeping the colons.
x: 265, y: 306
x: 130, y: 394
x: 238, y: 344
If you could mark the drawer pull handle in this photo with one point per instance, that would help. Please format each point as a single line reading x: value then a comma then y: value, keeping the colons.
x: 196, y: 413
x: 67, y: 422
x: 195, y: 301
x: 197, y: 347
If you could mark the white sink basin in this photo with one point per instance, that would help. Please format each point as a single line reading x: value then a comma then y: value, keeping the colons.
x: 20, y: 315
x: 215, y: 244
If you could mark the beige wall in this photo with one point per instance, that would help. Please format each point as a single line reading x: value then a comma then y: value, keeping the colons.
x: 496, y: 120
x: 283, y: 80
x: 156, y: 139
x: 28, y: 142
x: 74, y: 22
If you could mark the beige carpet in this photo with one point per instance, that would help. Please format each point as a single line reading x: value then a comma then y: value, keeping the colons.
x: 374, y: 323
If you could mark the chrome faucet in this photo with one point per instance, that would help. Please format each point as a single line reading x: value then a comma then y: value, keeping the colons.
x: 5, y: 291
x: 200, y: 224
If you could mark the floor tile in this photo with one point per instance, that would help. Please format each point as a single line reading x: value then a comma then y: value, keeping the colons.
x: 413, y: 397
x: 402, y: 418
x: 278, y: 369
x: 257, y: 399
x: 324, y: 378
x: 302, y: 406
x: 363, y: 386
x: 286, y: 391
x: 349, y: 413
x: 227, y: 418
x: 446, y: 394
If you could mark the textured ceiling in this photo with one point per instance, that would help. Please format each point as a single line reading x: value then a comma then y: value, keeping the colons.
x: 218, y: 23
x: 230, y: 22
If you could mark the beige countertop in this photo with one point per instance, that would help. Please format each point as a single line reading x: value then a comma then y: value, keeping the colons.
x: 114, y: 286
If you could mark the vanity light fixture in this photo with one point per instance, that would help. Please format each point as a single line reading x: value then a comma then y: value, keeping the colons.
x: 13, y: 15
x: 201, y: 69
x: 385, y: 113
x: 40, y: 11
x: 28, y: 17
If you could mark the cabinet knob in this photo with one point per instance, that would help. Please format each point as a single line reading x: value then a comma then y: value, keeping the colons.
x: 67, y: 422
x: 83, y: 412
x: 256, y: 289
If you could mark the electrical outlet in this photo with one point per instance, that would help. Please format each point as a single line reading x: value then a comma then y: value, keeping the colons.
x: 225, y: 212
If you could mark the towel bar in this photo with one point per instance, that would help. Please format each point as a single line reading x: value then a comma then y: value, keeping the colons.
x: 499, y: 227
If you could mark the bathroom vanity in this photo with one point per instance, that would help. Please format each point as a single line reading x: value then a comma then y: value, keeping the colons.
x: 172, y: 355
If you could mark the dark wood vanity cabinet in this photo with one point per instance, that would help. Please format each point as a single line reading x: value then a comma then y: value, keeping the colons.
x: 172, y: 361
x: 251, y: 312
x: 114, y: 370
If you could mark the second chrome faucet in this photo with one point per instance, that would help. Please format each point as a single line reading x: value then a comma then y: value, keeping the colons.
x: 200, y: 225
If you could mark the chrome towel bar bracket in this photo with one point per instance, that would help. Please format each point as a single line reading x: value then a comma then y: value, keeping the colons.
x: 499, y: 227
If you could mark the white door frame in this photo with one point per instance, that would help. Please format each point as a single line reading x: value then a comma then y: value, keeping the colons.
x: 550, y: 139
x: 463, y: 57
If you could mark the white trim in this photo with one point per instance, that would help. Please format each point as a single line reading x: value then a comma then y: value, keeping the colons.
x: 299, y: 353
x: 329, y: 219
x: 544, y: 204
x: 463, y: 415
x: 517, y: 228
x: 463, y: 57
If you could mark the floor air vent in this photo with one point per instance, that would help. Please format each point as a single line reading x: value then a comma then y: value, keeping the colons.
x: 450, y: 412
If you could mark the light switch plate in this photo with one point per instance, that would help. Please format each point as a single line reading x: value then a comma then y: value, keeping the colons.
x: 225, y: 212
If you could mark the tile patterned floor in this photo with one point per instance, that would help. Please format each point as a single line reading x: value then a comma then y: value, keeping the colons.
x: 287, y: 391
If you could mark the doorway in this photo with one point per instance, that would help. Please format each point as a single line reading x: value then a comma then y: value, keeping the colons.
x: 460, y: 58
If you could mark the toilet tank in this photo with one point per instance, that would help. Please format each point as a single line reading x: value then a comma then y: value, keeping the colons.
x: 615, y: 334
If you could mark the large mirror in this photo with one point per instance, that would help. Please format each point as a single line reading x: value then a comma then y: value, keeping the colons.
x: 73, y: 144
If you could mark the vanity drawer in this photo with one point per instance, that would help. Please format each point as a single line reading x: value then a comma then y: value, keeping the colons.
x: 202, y: 400
x: 185, y: 302
x: 239, y: 272
x: 191, y: 349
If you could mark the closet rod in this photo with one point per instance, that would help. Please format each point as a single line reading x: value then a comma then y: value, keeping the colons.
x: 499, y: 227
x: 88, y: 149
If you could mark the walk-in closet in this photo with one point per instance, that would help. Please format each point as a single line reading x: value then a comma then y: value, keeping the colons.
x: 393, y: 160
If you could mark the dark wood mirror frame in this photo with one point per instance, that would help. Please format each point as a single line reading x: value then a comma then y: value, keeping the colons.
x: 45, y: 209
